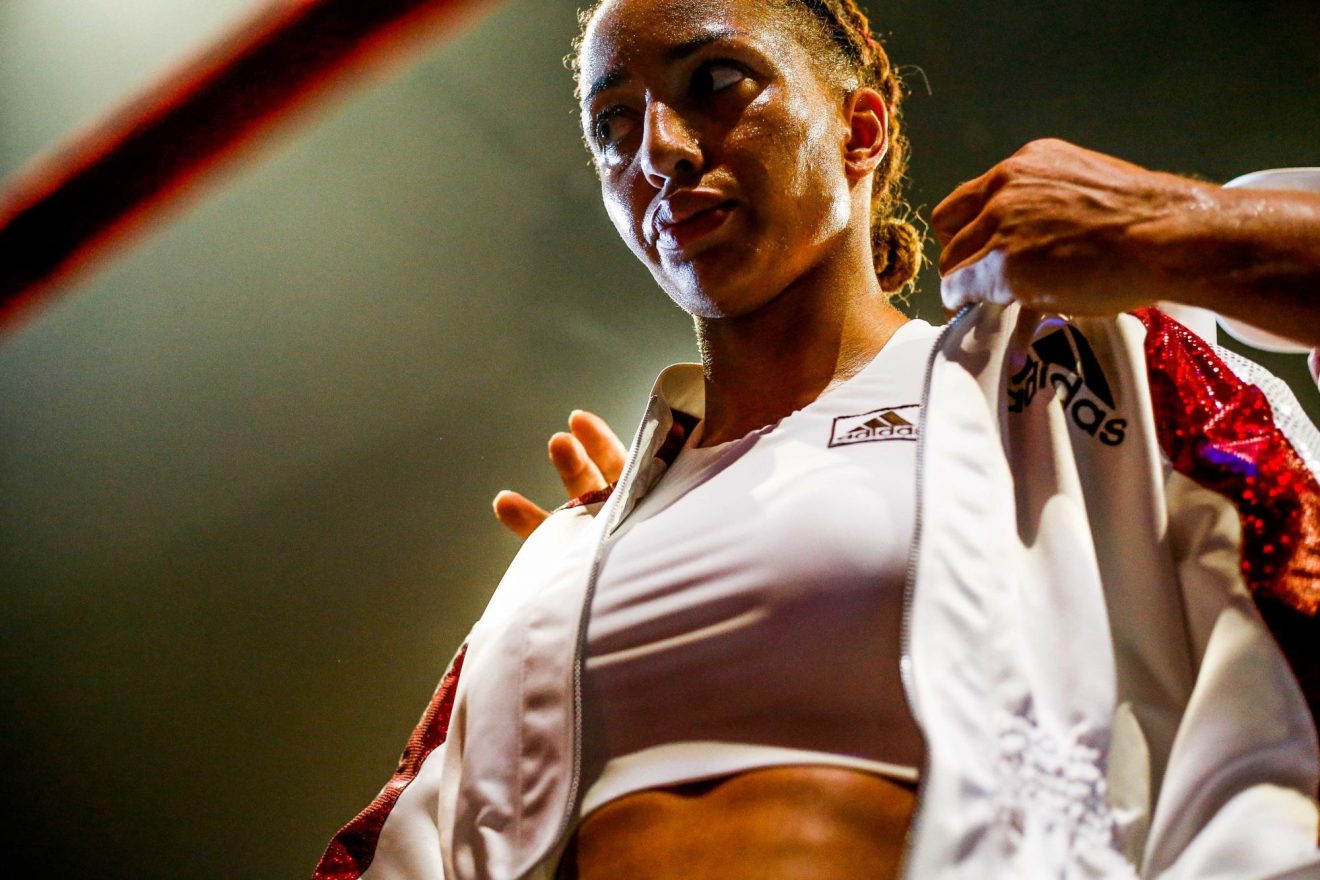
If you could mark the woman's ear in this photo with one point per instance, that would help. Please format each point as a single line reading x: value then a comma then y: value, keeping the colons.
x: 868, y: 132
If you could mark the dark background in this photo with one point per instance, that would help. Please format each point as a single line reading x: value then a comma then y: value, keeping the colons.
x: 245, y: 469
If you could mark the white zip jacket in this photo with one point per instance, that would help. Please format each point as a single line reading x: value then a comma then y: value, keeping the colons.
x: 1108, y: 512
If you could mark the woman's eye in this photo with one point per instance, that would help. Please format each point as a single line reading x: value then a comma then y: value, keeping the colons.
x: 718, y: 76
x: 609, y: 127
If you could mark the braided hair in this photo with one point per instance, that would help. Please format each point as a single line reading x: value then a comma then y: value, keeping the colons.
x: 838, y: 33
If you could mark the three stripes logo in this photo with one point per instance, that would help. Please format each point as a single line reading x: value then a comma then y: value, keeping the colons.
x: 889, y: 423
x: 1064, y: 361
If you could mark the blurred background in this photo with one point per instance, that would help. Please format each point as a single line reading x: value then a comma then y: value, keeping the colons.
x: 246, y: 466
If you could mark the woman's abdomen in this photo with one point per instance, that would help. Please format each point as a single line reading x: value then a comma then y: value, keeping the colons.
x: 800, y: 822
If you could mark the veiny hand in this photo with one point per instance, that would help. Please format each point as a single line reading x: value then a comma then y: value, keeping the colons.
x: 591, y: 457
x: 1077, y: 231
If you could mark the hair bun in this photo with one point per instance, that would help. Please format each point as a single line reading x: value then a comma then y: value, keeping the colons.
x: 896, y: 247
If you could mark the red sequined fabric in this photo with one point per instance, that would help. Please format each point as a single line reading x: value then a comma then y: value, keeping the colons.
x: 1220, y: 432
x: 351, y: 851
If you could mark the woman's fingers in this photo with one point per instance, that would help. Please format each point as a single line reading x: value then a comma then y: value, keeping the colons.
x: 576, y: 470
x: 602, y: 445
x: 518, y: 514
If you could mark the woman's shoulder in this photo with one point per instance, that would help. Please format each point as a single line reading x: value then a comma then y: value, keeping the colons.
x: 912, y: 341
x: 916, y: 331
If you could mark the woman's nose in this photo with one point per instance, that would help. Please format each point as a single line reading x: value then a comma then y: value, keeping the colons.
x: 670, y: 148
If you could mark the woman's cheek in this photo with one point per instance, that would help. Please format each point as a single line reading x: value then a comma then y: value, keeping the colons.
x: 627, y: 219
x: 814, y: 185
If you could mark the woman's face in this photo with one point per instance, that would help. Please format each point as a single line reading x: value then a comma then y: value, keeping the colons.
x: 720, y: 148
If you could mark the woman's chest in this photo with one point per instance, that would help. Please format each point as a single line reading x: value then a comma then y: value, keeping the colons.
x: 785, y: 527
x: 761, y: 603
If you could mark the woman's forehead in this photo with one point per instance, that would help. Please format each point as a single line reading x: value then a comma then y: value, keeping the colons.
x: 624, y: 32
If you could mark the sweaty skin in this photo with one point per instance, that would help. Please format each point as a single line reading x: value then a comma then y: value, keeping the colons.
x: 714, y: 108
x: 805, y: 823
x: 1085, y: 233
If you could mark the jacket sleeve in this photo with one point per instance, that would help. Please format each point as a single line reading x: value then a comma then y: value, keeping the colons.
x: 420, y: 826
x: 353, y: 850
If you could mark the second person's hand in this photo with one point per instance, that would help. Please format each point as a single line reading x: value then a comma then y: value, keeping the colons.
x: 588, y: 457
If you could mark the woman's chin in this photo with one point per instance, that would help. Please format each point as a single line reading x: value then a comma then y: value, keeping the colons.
x: 709, y: 304
x: 714, y: 287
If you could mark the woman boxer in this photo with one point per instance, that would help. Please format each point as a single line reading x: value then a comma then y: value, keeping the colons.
x: 736, y: 707
x: 750, y: 156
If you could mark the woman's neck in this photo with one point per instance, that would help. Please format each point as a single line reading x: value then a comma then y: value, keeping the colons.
x: 816, y: 334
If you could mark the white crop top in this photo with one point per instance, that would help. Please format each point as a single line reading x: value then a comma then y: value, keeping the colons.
x: 748, y: 611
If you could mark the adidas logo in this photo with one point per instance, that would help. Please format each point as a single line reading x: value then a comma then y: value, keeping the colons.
x: 1063, y: 360
x: 890, y: 423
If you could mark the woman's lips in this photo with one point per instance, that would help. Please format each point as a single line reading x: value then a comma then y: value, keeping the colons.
x: 692, y: 229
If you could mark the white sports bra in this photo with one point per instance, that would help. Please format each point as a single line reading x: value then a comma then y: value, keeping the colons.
x: 748, y: 611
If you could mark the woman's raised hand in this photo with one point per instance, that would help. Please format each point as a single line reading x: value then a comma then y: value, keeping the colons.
x: 588, y: 457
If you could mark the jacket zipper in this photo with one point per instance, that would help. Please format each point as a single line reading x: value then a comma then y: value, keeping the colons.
x: 910, y: 585
x: 621, y: 488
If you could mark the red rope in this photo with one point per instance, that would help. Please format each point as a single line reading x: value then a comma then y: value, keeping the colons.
x: 81, y: 199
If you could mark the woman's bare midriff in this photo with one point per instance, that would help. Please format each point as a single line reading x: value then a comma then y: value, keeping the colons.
x: 800, y: 822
